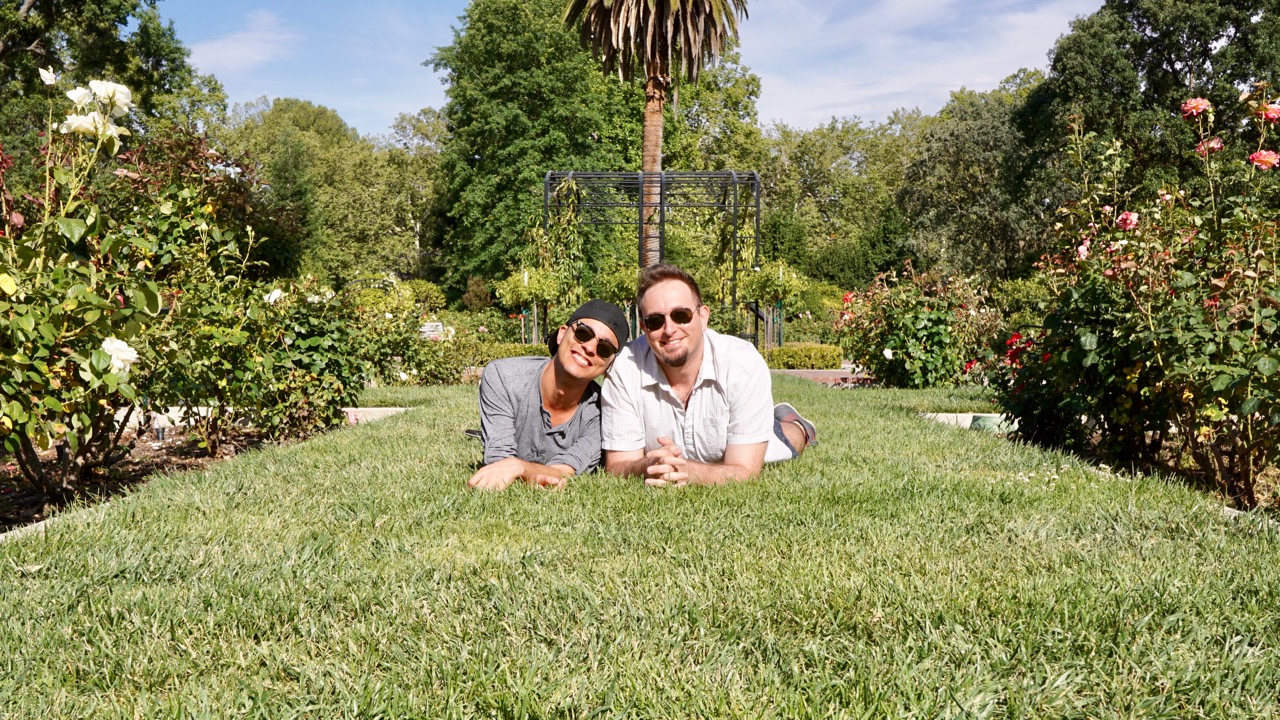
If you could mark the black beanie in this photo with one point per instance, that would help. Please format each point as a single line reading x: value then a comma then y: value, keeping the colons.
x: 600, y: 310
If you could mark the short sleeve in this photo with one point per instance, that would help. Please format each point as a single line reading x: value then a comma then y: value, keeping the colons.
x: 750, y: 400
x: 622, y: 426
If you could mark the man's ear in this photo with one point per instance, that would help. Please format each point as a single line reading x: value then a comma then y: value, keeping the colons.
x: 560, y: 334
x: 704, y: 312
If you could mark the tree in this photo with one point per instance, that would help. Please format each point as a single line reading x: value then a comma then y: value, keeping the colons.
x: 714, y: 122
x: 1126, y: 70
x: 831, y: 194
x: 523, y: 98
x: 973, y: 194
x: 347, y: 206
x: 665, y: 39
x: 83, y: 40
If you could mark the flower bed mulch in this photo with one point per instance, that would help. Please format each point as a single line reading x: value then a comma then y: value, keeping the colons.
x: 20, y: 505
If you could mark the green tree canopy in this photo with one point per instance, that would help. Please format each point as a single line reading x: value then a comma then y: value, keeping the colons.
x: 523, y: 99
x: 831, y: 199
x: 83, y: 40
x: 1126, y: 70
x: 347, y: 206
x: 974, y: 194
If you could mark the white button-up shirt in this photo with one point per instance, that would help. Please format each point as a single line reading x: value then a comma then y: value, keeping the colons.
x: 731, y: 402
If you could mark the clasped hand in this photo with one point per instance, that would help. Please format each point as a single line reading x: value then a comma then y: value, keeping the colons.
x: 667, y: 466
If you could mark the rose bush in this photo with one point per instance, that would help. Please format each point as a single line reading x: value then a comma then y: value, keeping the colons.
x: 77, y: 290
x: 1161, y: 346
x: 916, y: 329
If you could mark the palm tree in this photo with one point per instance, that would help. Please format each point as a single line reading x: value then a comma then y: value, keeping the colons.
x: 662, y: 36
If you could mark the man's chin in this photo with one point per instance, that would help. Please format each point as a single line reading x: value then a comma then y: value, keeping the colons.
x: 676, y: 360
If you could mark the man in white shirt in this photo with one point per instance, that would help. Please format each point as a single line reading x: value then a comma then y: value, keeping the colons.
x: 685, y: 404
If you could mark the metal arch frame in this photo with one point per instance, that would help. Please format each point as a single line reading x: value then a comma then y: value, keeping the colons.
x: 616, y: 198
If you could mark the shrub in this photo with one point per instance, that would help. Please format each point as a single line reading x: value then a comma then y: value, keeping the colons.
x: 916, y: 329
x: 804, y: 356
x: 488, y: 352
x: 308, y: 371
x: 488, y: 325
x: 1164, y: 332
x: 77, y: 290
x: 427, y: 296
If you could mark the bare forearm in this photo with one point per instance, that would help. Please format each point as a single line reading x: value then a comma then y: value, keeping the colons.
x: 533, y: 469
x: 626, y: 466
x: 704, y: 474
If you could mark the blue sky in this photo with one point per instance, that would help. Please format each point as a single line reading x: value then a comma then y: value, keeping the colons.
x: 817, y: 59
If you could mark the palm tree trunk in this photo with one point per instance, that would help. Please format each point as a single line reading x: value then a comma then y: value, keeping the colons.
x: 655, y: 97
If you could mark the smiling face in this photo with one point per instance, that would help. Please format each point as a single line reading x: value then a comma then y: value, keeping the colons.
x: 580, y: 359
x: 674, y: 344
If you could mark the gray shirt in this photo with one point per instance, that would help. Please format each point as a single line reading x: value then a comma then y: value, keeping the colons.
x: 513, y: 422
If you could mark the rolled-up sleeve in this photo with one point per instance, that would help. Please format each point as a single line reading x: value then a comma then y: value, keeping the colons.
x: 497, y: 417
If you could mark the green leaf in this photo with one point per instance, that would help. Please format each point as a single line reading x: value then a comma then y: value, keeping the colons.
x: 148, y: 296
x: 1185, y: 279
x: 1267, y: 364
x: 1221, y: 382
x: 71, y: 228
x: 53, y: 404
x: 1087, y: 340
x: 1250, y: 406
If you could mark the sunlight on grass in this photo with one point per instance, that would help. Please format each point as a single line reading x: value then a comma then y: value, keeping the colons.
x: 900, y: 568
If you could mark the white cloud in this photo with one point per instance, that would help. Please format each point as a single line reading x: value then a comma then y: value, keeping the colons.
x: 262, y: 40
x: 866, y: 60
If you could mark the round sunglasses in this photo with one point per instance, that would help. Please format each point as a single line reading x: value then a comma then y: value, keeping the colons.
x: 680, y: 316
x: 584, y: 334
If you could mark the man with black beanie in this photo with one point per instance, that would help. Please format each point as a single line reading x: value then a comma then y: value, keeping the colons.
x: 539, y: 417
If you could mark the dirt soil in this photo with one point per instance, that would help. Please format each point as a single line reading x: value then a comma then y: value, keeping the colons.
x: 20, y: 505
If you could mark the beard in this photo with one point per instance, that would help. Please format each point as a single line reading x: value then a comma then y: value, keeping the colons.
x: 676, y: 358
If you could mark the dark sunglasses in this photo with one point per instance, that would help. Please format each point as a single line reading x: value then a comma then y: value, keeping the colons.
x: 680, y: 316
x: 584, y: 334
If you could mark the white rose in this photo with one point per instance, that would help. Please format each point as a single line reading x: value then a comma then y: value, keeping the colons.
x: 122, y: 356
x: 273, y: 296
x: 390, y: 316
x: 80, y: 96
x: 888, y: 354
x: 46, y: 75
x: 117, y: 97
x: 403, y: 376
x: 78, y: 124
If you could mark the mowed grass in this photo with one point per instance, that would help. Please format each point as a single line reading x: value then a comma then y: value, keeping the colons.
x: 900, y: 569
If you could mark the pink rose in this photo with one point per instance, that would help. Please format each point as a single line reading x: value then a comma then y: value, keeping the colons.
x: 1127, y: 221
x: 1269, y: 113
x: 1083, y: 251
x: 1265, y: 159
x: 1195, y: 106
x: 1211, y: 145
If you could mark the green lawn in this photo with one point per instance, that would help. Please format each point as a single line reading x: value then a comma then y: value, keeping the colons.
x: 901, y: 568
